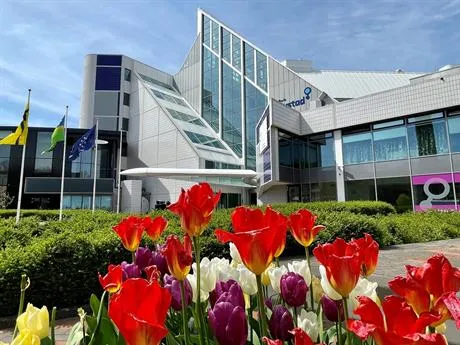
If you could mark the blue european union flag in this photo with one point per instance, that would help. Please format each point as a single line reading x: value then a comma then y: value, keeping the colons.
x: 84, y: 143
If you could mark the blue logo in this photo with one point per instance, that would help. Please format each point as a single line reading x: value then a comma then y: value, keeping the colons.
x: 301, y: 101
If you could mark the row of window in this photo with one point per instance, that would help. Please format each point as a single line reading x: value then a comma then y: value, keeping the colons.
x: 169, y: 98
x: 85, y: 202
x: 204, y: 140
x: 178, y: 115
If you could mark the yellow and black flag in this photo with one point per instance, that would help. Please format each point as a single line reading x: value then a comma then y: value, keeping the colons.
x: 19, y: 136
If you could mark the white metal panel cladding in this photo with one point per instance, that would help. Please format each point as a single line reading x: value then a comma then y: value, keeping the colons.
x: 285, y: 118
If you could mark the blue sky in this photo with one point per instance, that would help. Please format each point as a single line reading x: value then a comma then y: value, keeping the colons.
x: 43, y: 43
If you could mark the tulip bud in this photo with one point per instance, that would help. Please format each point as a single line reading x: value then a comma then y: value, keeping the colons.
x: 159, y: 260
x: 228, y: 291
x: 281, y: 323
x: 293, y: 289
x: 130, y: 271
x: 228, y: 323
x: 173, y: 285
x: 332, y: 309
x: 143, y: 258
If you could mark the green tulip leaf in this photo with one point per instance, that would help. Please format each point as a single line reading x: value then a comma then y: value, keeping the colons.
x: 46, y: 341
x: 75, y: 335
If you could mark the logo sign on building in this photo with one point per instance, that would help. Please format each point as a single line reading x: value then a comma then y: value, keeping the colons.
x: 300, y: 101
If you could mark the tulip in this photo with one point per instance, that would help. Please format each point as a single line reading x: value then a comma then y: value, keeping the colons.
x: 228, y: 323
x: 363, y: 288
x: 256, y: 236
x: 143, y: 257
x: 152, y: 273
x: 139, y: 311
x: 301, y: 338
x: 111, y: 282
x: 369, y: 252
x: 224, y: 270
x: 154, y: 227
x: 275, y: 275
x: 173, y: 286
x: 130, y: 271
x: 308, y: 322
x: 25, y: 339
x: 318, y: 291
x: 236, y: 258
x: 195, y: 207
x: 208, y: 275
x: 301, y: 267
x: 33, y: 324
x: 342, y: 263
x: 130, y: 231
x: 326, y: 286
x: 281, y: 323
x: 303, y: 229
x: 228, y: 291
x: 159, y: 260
x: 247, y: 280
x: 265, y: 277
x: 333, y: 310
x: 293, y: 289
x: 272, y: 342
x: 395, y: 323
x: 178, y: 256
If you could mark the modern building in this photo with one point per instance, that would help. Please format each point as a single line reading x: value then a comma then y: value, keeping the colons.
x: 310, y: 134
x: 42, y: 173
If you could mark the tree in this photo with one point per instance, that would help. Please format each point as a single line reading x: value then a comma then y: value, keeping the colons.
x: 5, y: 200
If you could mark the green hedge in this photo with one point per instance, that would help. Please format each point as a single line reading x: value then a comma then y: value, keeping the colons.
x: 63, y: 258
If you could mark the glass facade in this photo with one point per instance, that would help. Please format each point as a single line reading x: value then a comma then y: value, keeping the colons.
x: 255, y: 103
x: 248, y: 61
x: 390, y: 144
x: 395, y: 191
x: 357, y: 148
x: 210, y: 94
x: 454, y: 133
x: 85, y: 202
x: 360, y: 190
x: 428, y: 138
x: 215, y: 36
x: 4, y: 162
x: 43, y: 162
x: 320, y: 152
x: 231, y: 109
x: 206, y: 31
x: 434, y: 191
x: 236, y: 52
x: 261, y: 63
x: 226, y: 46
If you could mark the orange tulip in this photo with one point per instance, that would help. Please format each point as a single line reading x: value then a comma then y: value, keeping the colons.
x: 195, y: 207
x: 303, y: 228
x: 178, y: 256
x: 130, y: 231
x: 111, y: 282
x: 154, y: 227
x: 369, y: 252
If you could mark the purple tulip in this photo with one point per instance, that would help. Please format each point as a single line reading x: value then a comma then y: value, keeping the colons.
x: 143, y: 258
x: 228, y: 323
x: 331, y: 309
x: 159, y: 260
x: 228, y: 291
x: 173, y: 285
x: 293, y: 289
x: 281, y: 323
x: 269, y: 303
x: 130, y: 271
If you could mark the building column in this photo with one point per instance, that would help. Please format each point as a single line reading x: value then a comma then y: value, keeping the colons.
x: 339, y: 174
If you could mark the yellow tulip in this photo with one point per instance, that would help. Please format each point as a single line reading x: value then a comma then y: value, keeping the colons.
x: 35, y: 322
x: 317, y: 289
x: 265, y: 276
x: 26, y: 338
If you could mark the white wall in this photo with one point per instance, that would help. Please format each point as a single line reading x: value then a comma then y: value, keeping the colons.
x: 275, y: 194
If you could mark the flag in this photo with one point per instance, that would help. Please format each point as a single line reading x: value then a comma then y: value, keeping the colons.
x: 84, y: 143
x: 57, y: 136
x: 19, y: 136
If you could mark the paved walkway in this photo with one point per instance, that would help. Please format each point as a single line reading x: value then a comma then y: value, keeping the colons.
x: 391, y: 264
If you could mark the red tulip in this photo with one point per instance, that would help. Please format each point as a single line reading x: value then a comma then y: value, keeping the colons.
x: 343, y: 264
x: 395, y: 324
x: 178, y: 256
x: 369, y: 251
x: 130, y: 231
x: 152, y: 273
x: 272, y: 341
x: 154, y: 227
x: 414, y: 294
x: 195, y: 207
x: 111, y: 282
x: 139, y: 311
x: 301, y: 338
x: 256, y: 236
x: 303, y: 228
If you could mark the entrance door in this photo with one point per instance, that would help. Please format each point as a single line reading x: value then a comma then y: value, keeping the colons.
x: 294, y: 193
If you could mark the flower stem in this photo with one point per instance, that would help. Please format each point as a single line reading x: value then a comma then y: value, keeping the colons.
x: 133, y: 256
x: 320, y: 320
x: 345, y: 307
x: 53, y: 326
x: 312, y: 302
x: 339, y: 332
x: 295, y: 316
x: 277, y: 262
x: 196, y: 247
x: 24, y: 285
x: 184, y: 313
x: 262, y: 317
x: 249, y: 318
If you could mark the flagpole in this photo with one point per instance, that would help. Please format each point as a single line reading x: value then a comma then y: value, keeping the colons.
x: 95, y: 165
x: 21, y: 179
x: 64, y: 160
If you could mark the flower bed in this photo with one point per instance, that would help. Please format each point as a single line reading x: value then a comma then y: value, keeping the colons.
x: 169, y: 294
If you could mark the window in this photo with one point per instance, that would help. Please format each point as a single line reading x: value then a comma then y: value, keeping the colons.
x: 433, y: 191
x: 125, y: 124
x: 82, y: 166
x: 43, y: 162
x: 395, y: 191
x: 185, y: 117
x: 108, y: 78
x: 126, y: 99
x: 248, y: 61
x: 454, y: 133
x: 169, y: 98
x: 85, y: 202
x: 156, y: 82
x: 321, y: 151
x: 261, y: 60
x: 109, y: 60
x: 322, y: 191
x: 390, y: 144
x: 204, y: 140
x: 206, y: 30
x: 4, y: 162
x: 127, y: 74
x: 231, y: 109
x: 236, y: 52
x: 210, y: 94
x: 215, y: 36
x: 427, y: 138
x: 226, y: 42
x: 357, y: 148
x: 360, y: 190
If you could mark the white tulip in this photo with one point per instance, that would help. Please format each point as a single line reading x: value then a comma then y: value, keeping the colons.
x: 208, y: 275
x: 275, y: 274
x: 222, y: 267
x: 363, y: 288
x: 309, y: 323
x: 235, y: 254
x: 203, y: 295
x: 247, y: 280
x: 328, y: 289
x: 301, y: 267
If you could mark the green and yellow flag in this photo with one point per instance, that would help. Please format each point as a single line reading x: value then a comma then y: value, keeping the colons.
x: 57, y: 136
x: 19, y: 136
